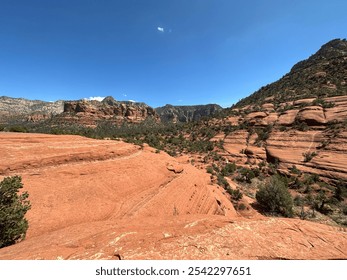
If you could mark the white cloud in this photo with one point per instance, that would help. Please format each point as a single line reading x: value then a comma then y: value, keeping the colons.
x: 161, y: 29
x: 132, y: 100
x: 98, y: 98
x: 124, y: 95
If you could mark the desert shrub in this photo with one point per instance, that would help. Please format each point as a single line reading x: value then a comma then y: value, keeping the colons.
x: 263, y: 134
x: 235, y: 194
x: 344, y: 209
x: 341, y: 190
x: 308, y: 156
x: 245, y: 175
x: 13, y: 207
x: 296, y: 183
x: 294, y: 170
x: 220, y: 144
x: 209, y: 169
x: 18, y: 128
x: 241, y: 207
x: 222, y: 181
x: 338, y: 193
x: 311, y: 179
x: 228, y: 169
x: 302, y: 126
x: 275, y: 198
x: 319, y: 201
x: 299, y: 200
x: 323, y: 103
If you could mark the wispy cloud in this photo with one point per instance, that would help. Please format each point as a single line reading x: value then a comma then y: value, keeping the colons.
x: 124, y: 95
x: 98, y: 98
x: 161, y: 29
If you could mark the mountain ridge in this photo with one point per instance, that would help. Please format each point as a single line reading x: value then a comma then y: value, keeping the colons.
x: 323, y: 74
x: 186, y: 113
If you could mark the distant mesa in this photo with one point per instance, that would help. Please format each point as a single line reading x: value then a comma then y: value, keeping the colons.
x: 90, y: 112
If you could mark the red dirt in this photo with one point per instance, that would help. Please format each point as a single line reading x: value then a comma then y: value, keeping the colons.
x: 103, y: 199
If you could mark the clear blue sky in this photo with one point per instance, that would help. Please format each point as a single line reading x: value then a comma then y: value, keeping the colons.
x: 180, y: 52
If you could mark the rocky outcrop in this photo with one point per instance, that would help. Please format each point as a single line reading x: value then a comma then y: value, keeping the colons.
x: 170, y: 113
x: 91, y: 112
x: 312, y: 115
x: 21, y: 109
x: 301, y: 130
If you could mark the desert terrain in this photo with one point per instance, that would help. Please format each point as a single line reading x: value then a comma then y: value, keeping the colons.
x: 106, y: 199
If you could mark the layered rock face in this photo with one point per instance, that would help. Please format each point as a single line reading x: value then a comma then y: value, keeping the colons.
x: 101, y: 199
x: 91, y: 112
x: 299, y: 120
x: 291, y: 136
x: 24, y: 109
x: 170, y: 113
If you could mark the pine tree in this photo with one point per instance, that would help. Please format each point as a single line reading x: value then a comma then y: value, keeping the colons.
x: 13, y: 207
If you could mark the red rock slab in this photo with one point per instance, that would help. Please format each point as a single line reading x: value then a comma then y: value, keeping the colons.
x: 312, y: 115
x: 287, y: 118
x: 132, y: 207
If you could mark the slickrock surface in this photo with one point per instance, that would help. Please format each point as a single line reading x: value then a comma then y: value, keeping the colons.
x: 103, y: 199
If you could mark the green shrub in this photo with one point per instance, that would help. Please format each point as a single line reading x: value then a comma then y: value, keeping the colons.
x: 294, y: 170
x: 235, y: 194
x: 222, y: 181
x: 302, y: 126
x: 245, y: 175
x: 275, y: 198
x: 241, y: 207
x: 18, y: 128
x: 13, y: 207
x: 228, y: 169
x: 344, y: 209
x: 309, y: 156
x: 209, y: 169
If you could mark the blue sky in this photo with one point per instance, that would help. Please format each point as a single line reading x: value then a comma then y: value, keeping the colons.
x: 180, y: 52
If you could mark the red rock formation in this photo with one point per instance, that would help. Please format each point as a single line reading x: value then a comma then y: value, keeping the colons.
x: 324, y: 134
x: 102, y: 199
x: 91, y: 112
